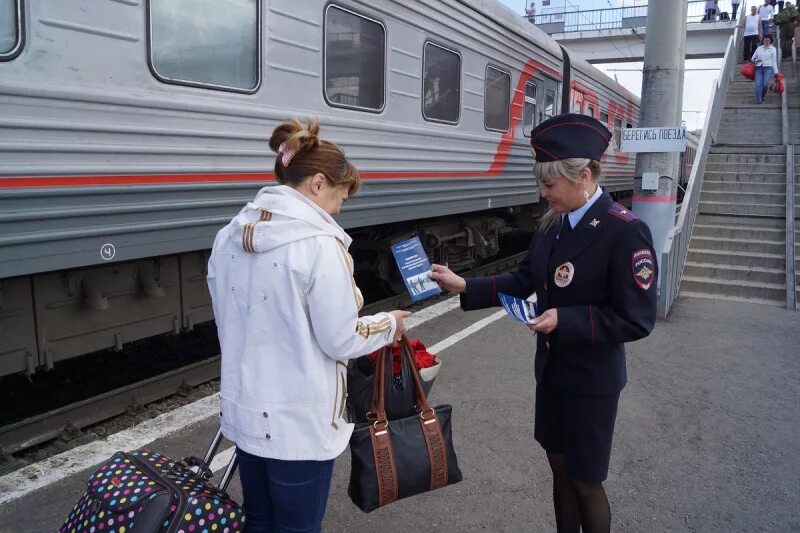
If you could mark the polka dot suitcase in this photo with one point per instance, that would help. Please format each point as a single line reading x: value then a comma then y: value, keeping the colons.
x: 147, y: 491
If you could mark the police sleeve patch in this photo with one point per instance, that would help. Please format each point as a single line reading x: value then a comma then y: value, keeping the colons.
x: 644, y: 268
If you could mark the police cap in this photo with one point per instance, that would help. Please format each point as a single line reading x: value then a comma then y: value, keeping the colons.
x: 568, y: 136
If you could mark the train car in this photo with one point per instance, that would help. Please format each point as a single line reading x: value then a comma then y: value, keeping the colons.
x: 132, y: 130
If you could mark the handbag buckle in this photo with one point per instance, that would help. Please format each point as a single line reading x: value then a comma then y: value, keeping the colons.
x: 383, y: 430
x: 428, y: 420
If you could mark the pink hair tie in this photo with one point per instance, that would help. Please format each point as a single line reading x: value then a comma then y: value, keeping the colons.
x: 286, y: 154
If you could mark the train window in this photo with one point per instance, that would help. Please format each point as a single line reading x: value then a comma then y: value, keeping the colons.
x: 441, y: 84
x: 355, y: 66
x: 617, y: 133
x: 10, y: 29
x: 550, y: 103
x: 497, y: 99
x: 206, y: 43
x: 529, y: 109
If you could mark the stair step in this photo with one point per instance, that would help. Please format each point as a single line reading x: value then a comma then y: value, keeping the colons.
x: 760, y: 168
x: 738, y: 288
x: 760, y: 301
x: 774, y: 159
x: 743, y: 198
x: 748, y: 259
x: 741, y: 221
x: 738, y: 232
x: 774, y: 276
x: 733, y: 208
x: 745, y: 176
x: 743, y: 186
x: 737, y: 245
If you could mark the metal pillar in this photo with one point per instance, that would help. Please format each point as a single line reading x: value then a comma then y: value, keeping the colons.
x: 662, y: 91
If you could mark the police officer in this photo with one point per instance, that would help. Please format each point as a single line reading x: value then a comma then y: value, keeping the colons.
x: 594, y: 271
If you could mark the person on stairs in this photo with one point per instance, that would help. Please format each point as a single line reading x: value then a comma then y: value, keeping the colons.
x: 734, y: 8
x: 752, y: 33
x: 766, y: 61
x: 786, y: 20
x: 711, y: 11
x: 765, y: 13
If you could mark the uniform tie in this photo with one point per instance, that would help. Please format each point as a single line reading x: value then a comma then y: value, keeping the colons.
x: 564, y: 226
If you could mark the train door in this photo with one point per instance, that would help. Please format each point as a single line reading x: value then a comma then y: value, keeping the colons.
x: 550, y: 87
x: 530, y: 109
x: 539, y: 103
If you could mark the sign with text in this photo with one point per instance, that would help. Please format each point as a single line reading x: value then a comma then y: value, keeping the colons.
x: 654, y: 140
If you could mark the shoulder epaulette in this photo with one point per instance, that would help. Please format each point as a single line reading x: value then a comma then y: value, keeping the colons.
x: 621, y: 212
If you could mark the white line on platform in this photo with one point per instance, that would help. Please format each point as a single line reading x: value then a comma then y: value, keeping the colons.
x: 222, y: 459
x: 32, y: 477
x: 466, y: 332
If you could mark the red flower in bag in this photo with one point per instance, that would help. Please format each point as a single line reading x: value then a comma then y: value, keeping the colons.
x: 422, y: 356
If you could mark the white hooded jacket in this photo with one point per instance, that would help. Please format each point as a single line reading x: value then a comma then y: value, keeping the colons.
x: 286, y: 307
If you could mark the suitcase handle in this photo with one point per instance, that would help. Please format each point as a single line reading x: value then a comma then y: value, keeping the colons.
x: 203, y: 466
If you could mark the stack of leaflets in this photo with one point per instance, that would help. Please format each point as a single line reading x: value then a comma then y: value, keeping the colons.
x: 415, y: 268
x: 520, y: 310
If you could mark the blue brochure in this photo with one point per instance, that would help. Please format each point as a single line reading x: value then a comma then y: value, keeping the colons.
x: 415, y: 267
x: 520, y: 310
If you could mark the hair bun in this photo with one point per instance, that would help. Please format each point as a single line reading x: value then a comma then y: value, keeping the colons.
x: 296, y: 136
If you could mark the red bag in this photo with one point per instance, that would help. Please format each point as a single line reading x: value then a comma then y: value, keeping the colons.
x: 779, y: 82
x: 749, y: 71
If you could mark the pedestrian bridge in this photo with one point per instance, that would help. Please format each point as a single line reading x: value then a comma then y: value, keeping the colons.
x: 617, y: 35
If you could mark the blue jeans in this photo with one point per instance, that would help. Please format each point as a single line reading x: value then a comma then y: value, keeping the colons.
x: 763, y: 77
x: 765, y: 27
x: 283, y: 496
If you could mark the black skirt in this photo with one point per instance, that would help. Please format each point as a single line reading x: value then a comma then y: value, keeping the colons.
x: 579, y: 426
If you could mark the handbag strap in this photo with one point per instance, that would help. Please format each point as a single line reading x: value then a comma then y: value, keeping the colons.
x: 379, y: 431
x: 382, y: 451
x: 429, y: 421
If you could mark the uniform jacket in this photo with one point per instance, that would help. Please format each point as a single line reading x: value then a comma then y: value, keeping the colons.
x: 601, y: 277
x: 286, y: 308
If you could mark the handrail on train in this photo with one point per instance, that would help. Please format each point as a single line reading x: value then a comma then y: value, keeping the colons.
x: 676, y: 247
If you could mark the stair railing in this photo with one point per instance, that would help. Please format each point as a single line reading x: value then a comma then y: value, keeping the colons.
x: 676, y: 247
x: 791, y: 276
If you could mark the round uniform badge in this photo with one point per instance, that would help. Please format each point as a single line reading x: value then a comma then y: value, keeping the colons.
x: 564, y: 274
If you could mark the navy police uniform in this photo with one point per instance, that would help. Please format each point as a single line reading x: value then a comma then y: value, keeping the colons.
x: 601, y: 277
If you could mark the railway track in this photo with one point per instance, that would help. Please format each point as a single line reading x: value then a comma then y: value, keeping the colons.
x: 68, y: 423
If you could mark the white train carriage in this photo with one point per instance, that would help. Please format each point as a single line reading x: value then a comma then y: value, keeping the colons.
x: 131, y: 130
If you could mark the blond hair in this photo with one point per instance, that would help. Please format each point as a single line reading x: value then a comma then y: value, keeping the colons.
x: 312, y: 156
x: 569, y: 169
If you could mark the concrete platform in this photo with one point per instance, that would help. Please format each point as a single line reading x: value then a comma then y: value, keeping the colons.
x: 706, y: 436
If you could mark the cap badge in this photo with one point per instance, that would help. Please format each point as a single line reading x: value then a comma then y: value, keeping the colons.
x: 564, y: 274
x: 594, y: 223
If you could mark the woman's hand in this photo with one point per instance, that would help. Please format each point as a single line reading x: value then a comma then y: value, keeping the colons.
x: 546, y: 322
x: 399, y: 319
x: 447, y: 279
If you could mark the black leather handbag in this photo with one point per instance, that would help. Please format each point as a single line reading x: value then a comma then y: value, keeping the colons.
x: 394, y: 459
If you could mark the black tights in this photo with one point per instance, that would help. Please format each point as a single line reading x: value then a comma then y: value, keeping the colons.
x: 577, y: 503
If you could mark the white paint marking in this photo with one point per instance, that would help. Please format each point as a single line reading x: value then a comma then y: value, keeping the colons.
x: 38, y: 475
x: 32, y: 477
x: 466, y: 332
x: 434, y: 311
x: 222, y: 459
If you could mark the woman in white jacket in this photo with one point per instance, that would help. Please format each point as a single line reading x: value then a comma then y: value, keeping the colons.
x: 766, y: 61
x: 286, y: 307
